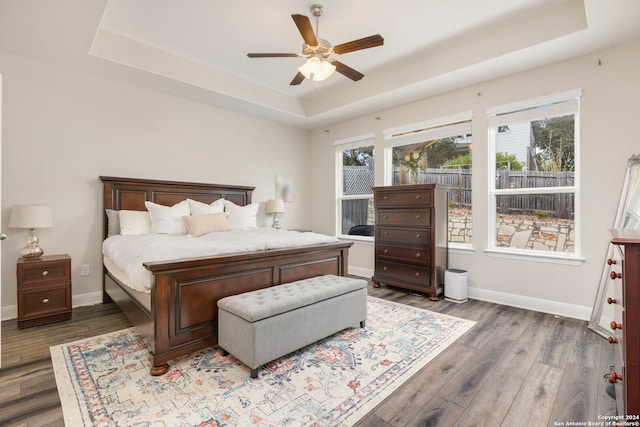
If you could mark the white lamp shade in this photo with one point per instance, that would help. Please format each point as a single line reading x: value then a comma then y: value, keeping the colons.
x: 275, y: 206
x: 31, y: 216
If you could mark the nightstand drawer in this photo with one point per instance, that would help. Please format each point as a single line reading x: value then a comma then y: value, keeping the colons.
x: 411, y: 217
x: 43, y: 300
x: 39, y: 274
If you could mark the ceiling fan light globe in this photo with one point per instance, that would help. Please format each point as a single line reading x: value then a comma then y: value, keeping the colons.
x: 316, y: 69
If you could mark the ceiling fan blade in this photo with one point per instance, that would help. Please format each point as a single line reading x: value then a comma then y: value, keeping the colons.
x: 348, y: 71
x: 299, y: 78
x: 306, y: 30
x: 364, y: 43
x: 273, y: 55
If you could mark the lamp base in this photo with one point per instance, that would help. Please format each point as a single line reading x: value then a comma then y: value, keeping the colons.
x: 31, y: 252
x: 276, y: 222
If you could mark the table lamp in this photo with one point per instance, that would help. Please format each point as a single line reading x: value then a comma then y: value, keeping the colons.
x: 31, y: 217
x: 275, y: 206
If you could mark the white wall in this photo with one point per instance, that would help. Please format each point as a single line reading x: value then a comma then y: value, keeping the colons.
x: 63, y: 129
x: 610, y: 107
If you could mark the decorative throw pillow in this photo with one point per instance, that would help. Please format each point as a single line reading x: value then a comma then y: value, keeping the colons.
x: 198, y: 225
x: 113, y: 222
x: 242, y: 217
x: 199, y: 208
x: 134, y: 222
x: 168, y: 219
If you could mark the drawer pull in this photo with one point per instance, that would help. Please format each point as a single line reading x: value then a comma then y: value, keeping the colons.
x: 386, y: 251
x: 418, y: 235
x: 611, y: 261
x: 386, y: 216
x: 46, y: 300
x: 615, y: 275
x: 384, y: 268
x: 612, y: 340
x: 386, y: 197
x: 386, y: 233
x: 417, y: 274
x: 614, y: 377
x: 418, y: 254
x: 612, y: 300
x: 418, y: 216
x: 615, y: 325
x: 44, y: 273
x: 418, y: 197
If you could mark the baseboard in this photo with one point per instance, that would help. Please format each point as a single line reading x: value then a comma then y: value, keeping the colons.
x: 361, y: 272
x: 11, y: 311
x: 536, y: 304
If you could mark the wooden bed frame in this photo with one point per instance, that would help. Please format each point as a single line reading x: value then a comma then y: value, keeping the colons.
x: 182, y: 317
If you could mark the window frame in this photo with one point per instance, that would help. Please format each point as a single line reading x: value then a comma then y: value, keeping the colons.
x: 553, y: 105
x: 340, y: 145
x: 438, y: 128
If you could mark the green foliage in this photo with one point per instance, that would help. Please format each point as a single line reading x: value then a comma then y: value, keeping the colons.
x: 362, y: 156
x: 554, y: 141
x: 506, y: 160
x: 460, y: 162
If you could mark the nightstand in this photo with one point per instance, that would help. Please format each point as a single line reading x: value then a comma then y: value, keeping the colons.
x: 44, y: 290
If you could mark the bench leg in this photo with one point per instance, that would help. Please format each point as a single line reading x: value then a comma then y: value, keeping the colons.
x: 254, y: 373
x: 363, y: 323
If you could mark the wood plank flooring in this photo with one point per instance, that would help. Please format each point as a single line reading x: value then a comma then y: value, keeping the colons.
x: 515, y: 367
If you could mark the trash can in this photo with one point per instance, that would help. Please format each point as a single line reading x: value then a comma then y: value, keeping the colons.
x: 456, y: 285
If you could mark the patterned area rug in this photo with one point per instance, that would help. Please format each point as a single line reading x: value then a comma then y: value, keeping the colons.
x: 105, y: 380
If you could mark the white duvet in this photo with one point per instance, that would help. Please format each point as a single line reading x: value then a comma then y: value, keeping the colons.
x: 129, y: 252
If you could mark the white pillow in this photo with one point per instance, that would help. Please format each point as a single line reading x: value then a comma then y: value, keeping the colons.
x: 168, y: 219
x: 242, y: 217
x: 113, y: 222
x: 134, y: 222
x: 199, y: 208
x: 198, y: 225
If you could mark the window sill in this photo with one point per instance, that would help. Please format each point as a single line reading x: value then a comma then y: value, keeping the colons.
x: 537, y: 257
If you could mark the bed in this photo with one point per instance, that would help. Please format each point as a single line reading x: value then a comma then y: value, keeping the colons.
x: 178, y: 316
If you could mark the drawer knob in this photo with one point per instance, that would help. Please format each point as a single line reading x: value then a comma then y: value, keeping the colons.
x: 417, y: 274
x: 418, y: 216
x: 418, y: 254
x: 614, y: 377
x: 615, y: 275
x: 615, y: 325
x: 385, y: 197
x: 384, y: 268
x: 386, y: 251
x: 612, y: 300
x: 611, y: 261
x: 44, y: 273
x: 418, y: 197
x: 46, y: 300
x: 612, y: 340
x: 386, y: 233
x: 418, y: 235
x: 386, y: 216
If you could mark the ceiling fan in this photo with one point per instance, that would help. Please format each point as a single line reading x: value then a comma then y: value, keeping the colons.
x: 319, y: 52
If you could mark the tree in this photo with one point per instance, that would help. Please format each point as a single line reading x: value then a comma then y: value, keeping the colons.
x: 506, y: 160
x: 462, y: 162
x: 554, y: 142
x: 357, y: 156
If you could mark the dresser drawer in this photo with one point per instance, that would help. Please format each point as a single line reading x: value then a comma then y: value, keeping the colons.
x: 398, y: 197
x: 411, y: 217
x: 404, y: 254
x: 37, y: 273
x: 405, y: 272
x: 410, y: 236
x: 44, y: 300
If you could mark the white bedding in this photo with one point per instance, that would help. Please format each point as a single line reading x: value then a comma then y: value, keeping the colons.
x: 129, y: 252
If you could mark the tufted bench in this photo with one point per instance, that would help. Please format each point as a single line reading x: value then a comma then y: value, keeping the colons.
x: 260, y: 326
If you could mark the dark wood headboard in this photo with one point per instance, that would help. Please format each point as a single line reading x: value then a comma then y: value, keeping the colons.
x: 131, y: 193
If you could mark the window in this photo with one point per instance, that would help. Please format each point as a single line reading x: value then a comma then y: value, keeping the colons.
x: 437, y: 151
x: 355, y: 179
x: 533, y: 177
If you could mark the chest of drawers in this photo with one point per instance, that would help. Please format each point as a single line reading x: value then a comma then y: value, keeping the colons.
x: 44, y: 290
x: 626, y: 323
x: 411, y: 237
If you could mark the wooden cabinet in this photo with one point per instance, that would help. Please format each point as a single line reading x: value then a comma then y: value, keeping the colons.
x: 626, y: 323
x: 411, y: 237
x: 44, y: 290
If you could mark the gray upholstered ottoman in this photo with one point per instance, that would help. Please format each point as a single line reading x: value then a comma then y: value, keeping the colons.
x: 260, y: 326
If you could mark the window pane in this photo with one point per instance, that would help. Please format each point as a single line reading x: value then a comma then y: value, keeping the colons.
x: 543, y: 222
x: 535, y: 154
x: 445, y: 161
x: 358, y: 174
x: 358, y: 217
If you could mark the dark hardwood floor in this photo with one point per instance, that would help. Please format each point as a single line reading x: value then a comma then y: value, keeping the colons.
x: 515, y: 367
